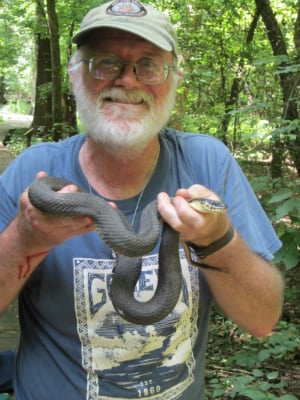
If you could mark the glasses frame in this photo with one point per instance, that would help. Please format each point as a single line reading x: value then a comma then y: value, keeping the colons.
x: 166, y: 69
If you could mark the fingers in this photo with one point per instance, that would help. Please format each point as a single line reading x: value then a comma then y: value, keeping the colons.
x: 41, y: 174
x: 67, y: 189
x: 177, y: 212
x: 50, y: 230
x: 199, y: 228
x: 47, y: 231
x: 197, y: 191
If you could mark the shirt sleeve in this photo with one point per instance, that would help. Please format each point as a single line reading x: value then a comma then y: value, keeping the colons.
x: 16, y: 178
x: 215, y: 167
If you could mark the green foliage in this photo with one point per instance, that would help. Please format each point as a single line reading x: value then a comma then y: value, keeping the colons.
x: 281, y: 200
x: 17, y: 138
x: 16, y: 143
x: 275, y: 347
x: 16, y: 47
x: 252, y: 368
x: 246, y: 367
x: 19, y: 106
x: 215, y: 50
x: 255, y: 386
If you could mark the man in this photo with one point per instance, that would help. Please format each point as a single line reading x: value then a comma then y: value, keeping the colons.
x: 73, y: 343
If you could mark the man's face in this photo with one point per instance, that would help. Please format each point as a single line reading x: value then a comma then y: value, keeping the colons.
x: 123, y: 113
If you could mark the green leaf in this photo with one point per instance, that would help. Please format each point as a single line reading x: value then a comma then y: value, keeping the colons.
x: 283, y: 194
x: 290, y: 206
x: 244, y: 380
x: 263, y: 355
x: 254, y: 394
x: 218, y: 392
x: 257, y: 373
x: 265, y: 386
x: 272, y: 375
x: 289, y: 256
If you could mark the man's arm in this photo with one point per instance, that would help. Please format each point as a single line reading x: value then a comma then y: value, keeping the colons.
x: 18, y: 261
x: 26, y: 242
x: 249, y: 290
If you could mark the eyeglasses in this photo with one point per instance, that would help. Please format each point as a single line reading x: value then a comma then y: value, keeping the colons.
x: 146, y: 70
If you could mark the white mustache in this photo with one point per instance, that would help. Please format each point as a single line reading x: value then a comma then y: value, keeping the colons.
x: 124, y: 96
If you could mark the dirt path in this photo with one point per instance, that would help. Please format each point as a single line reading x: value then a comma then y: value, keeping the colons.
x: 12, y: 121
x: 8, y: 121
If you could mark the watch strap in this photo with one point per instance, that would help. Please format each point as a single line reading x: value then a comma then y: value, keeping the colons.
x: 202, y: 252
x: 196, y: 253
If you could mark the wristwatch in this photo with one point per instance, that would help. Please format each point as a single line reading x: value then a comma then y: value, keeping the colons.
x: 195, y: 254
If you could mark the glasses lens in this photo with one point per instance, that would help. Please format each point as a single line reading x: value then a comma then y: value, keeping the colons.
x: 151, y: 73
x: 106, y: 68
x: 147, y: 71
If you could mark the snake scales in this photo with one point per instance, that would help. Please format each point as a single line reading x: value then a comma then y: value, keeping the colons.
x: 117, y: 233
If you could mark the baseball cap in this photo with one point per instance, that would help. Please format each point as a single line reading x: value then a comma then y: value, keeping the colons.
x: 131, y: 16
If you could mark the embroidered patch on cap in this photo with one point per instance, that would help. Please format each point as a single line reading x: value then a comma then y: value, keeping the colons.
x: 128, y: 8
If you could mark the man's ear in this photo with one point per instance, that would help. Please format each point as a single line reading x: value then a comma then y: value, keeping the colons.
x: 180, y: 73
x: 70, y: 70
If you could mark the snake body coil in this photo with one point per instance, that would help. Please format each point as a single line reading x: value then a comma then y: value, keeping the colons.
x: 111, y: 224
x: 118, y: 234
x: 168, y: 288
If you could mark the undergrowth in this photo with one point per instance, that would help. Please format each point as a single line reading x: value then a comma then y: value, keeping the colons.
x: 240, y: 366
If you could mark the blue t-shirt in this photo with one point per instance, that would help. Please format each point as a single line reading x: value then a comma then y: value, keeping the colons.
x: 73, y: 344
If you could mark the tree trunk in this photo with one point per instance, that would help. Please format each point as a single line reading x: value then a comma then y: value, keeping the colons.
x: 2, y: 90
x: 232, y: 102
x: 42, y: 120
x: 57, y: 110
x: 230, y: 105
x: 69, y: 103
x: 288, y: 82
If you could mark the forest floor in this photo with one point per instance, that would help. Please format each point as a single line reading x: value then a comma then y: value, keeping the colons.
x: 269, y: 368
x: 280, y: 369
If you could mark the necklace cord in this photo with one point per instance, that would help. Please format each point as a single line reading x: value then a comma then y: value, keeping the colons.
x: 148, y: 178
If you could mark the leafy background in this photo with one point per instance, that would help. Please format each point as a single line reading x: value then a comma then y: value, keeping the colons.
x: 241, y: 62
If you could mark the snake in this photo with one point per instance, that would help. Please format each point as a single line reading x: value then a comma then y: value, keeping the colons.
x: 129, y: 246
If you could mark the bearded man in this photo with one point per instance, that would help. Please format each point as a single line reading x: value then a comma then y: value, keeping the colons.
x: 74, y: 344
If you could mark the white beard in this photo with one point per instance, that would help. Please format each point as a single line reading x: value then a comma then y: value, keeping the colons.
x: 117, y: 132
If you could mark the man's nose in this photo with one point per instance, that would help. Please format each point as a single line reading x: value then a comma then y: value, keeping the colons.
x: 127, y: 77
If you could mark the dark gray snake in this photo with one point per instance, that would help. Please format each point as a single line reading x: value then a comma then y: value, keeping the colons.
x: 129, y: 246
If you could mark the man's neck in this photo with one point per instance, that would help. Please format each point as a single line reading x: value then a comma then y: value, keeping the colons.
x: 118, y: 177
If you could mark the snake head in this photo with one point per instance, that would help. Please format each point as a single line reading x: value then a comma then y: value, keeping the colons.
x: 204, y: 205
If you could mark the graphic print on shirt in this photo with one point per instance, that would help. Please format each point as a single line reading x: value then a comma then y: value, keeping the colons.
x: 127, y: 361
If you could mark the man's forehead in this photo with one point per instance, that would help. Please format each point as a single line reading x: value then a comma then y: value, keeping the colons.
x: 110, y: 33
x: 106, y: 36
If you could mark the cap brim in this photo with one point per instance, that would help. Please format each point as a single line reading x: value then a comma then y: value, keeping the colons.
x: 142, y: 32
